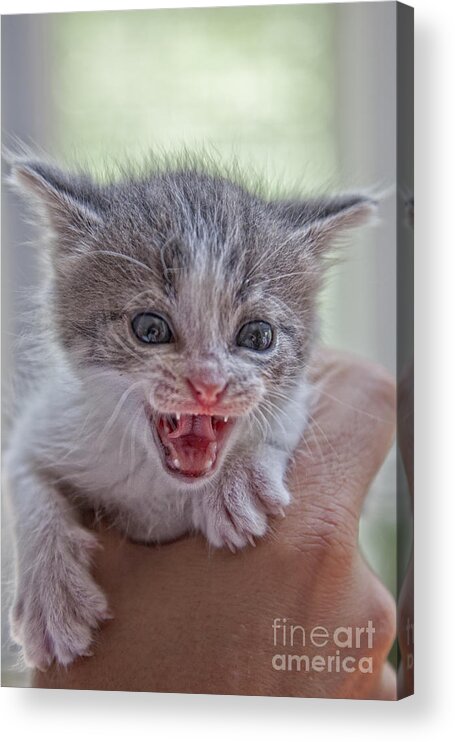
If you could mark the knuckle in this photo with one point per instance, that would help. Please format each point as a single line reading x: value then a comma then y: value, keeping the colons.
x: 383, y: 615
x: 334, y: 522
x: 329, y: 539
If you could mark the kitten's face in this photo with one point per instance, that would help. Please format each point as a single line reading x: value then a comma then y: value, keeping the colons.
x: 206, y: 358
x: 199, y: 297
x: 210, y: 337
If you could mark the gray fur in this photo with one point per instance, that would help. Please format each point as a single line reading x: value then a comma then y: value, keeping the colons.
x: 209, y: 255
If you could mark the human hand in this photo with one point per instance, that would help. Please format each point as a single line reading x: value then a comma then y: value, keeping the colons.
x: 192, y: 620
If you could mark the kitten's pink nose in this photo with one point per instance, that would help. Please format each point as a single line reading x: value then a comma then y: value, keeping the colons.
x: 206, y: 392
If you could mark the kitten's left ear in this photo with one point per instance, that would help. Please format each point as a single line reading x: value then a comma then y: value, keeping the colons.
x: 317, y: 222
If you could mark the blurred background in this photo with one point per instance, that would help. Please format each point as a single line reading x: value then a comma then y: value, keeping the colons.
x: 305, y: 96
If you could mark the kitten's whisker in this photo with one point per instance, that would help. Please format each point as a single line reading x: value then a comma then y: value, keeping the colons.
x: 288, y: 416
x: 269, y: 409
x: 130, y: 432
x: 351, y: 407
x: 118, y: 408
x: 265, y: 426
x: 133, y: 353
x: 314, y: 422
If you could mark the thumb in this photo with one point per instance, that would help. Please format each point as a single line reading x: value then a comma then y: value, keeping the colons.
x: 350, y: 431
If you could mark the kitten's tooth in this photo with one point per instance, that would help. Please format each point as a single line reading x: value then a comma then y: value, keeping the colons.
x: 176, y: 463
x: 177, y: 416
x: 225, y: 419
x: 208, y: 464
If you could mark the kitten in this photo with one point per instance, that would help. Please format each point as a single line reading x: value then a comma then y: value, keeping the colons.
x: 179, y: 314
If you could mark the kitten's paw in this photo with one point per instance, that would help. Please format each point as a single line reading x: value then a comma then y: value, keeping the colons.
x: 236, y: 513
x: 58, y: 605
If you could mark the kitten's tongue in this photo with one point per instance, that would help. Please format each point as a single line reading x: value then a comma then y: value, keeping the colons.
x: 190, y: 443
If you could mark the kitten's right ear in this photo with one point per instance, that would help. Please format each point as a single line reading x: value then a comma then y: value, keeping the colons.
x: 65, y: 202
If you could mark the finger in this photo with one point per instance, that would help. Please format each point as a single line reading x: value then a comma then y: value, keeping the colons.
x: 387, y: 689
x: 350, y: 431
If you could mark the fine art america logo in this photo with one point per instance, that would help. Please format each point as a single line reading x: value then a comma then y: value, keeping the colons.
x: 336, y: 650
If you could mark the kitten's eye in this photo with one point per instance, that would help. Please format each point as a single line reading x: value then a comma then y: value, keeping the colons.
x: 150, y: 328
x: 255, y: 336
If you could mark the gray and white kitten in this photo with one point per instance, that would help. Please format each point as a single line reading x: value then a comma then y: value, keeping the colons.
x: 179, y: 312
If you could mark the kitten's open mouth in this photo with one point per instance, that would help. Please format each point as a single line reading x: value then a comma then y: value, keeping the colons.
x: 191, y: 444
